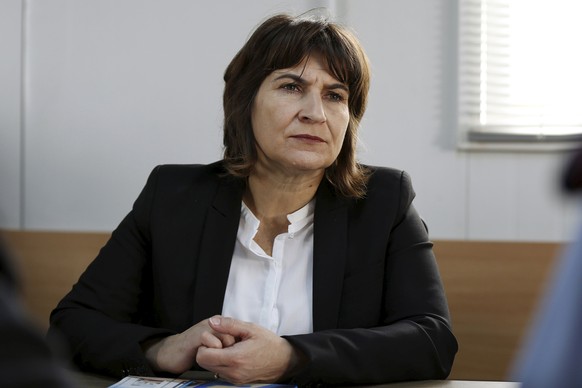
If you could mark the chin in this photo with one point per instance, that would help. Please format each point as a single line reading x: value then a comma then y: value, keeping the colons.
x: 309, y: 165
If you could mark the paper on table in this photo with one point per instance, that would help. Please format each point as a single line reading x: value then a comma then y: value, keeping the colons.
x: 160, y: 382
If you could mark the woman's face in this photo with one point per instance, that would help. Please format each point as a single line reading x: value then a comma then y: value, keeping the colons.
x: 299, y: 118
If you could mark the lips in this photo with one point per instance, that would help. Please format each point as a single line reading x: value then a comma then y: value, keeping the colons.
x: 309, y: 137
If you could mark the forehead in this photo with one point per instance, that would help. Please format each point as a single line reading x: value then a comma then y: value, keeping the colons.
x: 313, y: 66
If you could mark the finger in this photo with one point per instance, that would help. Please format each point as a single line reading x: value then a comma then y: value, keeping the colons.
x: 226, y: 339
x: 230, y: 326
x: 225, y: 362
x: 210, y: 340
x: 211, y: 358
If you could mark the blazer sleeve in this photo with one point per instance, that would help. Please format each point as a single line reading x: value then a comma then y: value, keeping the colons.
x: 413, y: 338
x: 101, y: 318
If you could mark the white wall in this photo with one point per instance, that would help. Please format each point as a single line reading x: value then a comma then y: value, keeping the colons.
x: 112, y: 88
x: 10, y: 125
x: 411, y: 123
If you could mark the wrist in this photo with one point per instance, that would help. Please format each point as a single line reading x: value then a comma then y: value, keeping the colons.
x: 296, y: 361
x: 151, y: 349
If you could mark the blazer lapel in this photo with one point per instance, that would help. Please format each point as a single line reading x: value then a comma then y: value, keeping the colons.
x: 216, y: 249
x: 329, y: 257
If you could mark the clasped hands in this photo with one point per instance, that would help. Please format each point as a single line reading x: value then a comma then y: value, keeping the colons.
x: 239, y: 352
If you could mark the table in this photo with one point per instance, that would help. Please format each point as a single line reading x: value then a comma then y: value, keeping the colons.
x: 86, y: 380
x: 451, y: 384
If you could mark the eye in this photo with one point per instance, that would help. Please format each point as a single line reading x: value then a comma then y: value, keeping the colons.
x: 337, y: 97
x: 292, y: 87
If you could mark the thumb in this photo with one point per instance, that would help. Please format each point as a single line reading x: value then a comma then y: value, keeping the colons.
x: 226, y: 325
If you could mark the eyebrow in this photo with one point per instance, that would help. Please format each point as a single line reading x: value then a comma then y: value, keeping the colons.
x: 300, y: 80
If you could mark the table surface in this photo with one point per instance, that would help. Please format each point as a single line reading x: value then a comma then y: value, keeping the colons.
x: 94, y: 381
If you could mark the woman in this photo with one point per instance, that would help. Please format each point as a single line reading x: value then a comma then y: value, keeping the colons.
x: 287, y: 260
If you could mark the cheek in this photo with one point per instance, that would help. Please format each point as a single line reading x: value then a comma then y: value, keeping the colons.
x: 259, y: 122
x: 340, y: 135
x: 267, y: 115
x: 341, y: 141
x: 341, y: 125
x: 340, y: 114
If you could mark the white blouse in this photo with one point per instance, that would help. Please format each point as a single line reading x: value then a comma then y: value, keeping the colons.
x: 273, y: 291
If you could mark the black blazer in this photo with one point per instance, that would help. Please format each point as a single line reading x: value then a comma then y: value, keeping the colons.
x: 379, y: 309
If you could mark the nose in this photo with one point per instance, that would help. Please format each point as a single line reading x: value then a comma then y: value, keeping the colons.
x: 312, y: 110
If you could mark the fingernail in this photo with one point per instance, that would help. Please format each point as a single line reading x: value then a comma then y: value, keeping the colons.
x: 215, y: 321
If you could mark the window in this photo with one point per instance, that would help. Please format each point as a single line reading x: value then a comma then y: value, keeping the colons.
x: 520, y: 72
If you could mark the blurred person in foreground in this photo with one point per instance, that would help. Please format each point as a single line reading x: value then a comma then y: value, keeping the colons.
x: 26, y: 361
x: 286, y: 261
x: 552, y: 353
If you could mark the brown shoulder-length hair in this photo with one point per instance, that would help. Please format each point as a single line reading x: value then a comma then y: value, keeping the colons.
x: 281, y: 42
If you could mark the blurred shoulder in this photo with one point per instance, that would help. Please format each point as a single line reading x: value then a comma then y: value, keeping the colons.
x: 179, y: 171
x: 189, y: 173
x: 172, y: 177
x: 387, y: 178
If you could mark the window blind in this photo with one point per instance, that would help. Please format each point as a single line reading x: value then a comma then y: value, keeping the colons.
x: 520, y: 70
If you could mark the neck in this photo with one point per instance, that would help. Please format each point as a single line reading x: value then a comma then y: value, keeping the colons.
x: 272, y: 198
